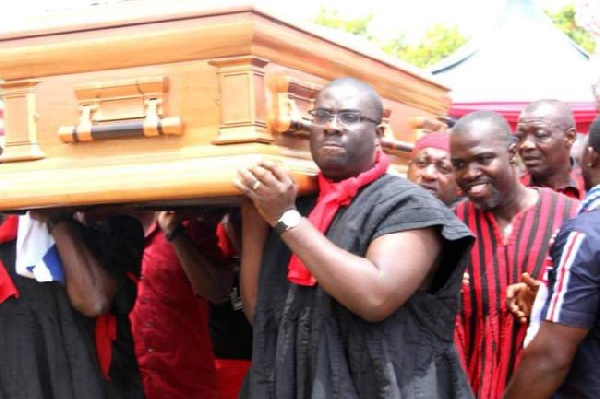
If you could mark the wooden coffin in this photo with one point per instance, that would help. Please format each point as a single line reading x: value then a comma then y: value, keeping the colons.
x: 160, y: 102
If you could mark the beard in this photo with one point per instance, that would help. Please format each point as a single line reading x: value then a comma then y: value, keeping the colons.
x: 489, y: 203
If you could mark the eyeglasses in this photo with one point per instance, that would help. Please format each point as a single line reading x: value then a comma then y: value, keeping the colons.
x: 443, y: 168
x: 345, y: 118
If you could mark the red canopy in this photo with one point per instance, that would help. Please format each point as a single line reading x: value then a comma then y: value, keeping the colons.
x: 522, y: 58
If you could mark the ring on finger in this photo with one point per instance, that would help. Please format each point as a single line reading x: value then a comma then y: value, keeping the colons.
x: 256, y: 185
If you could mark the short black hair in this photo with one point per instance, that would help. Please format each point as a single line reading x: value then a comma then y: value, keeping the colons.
x: 365, y: 89
x: 562, y: 111
x: 495, y: 120
x: 594, y: 135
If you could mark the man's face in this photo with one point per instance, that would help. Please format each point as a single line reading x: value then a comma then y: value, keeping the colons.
x: 431, y: 169
x: 344, y: 151
x: 543, y: 143
x: 483, y: 166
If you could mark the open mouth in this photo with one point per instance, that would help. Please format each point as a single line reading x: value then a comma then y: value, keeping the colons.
x: 478, y: 189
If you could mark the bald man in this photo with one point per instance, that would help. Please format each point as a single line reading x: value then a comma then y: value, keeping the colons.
x: 545, y: 134
x: 336, y: 312
x: 513, y: 225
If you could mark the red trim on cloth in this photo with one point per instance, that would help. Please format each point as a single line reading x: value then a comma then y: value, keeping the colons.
x: 332, y: 196
x: 8, y: 232
x: 8, y: 229
x: 227, y: 250
x: 106, y: 333
x: 230, y: 376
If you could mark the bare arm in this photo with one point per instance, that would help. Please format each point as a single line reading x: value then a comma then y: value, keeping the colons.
x: 375, y: 286
x: 90, y: 287
x: 546, y: 362
x: 209, y: 279
x: 254, y: 236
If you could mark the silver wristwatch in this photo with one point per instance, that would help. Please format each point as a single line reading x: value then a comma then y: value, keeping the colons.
x: 288, y: 221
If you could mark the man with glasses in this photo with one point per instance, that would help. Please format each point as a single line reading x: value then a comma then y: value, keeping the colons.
x: 430, y: 167
x: 353, y: 293
x: 545, y: 134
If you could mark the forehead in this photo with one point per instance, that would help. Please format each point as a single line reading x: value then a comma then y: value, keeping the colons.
x: 344, y: 97
x: 476, y: 140
x: 432, y: 153
x: 544, y: 116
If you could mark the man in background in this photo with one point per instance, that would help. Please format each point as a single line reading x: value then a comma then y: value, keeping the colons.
x: 563, y: 359
x: 182, y: 272
x: 430, y: 167
x: 545, y: 134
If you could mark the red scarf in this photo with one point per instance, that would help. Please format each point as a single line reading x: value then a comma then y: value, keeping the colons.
x: 332, y: 196
x: 106, y: 334
x: 8, y: 232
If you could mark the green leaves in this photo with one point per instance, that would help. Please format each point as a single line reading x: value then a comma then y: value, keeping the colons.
x: 564, y: 19
x: 438, y: 42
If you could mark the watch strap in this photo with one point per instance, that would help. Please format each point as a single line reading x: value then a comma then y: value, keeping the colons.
x: 177, y: 230
x: 281, y: 226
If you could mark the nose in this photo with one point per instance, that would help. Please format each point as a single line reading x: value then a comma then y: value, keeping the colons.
x: 527, y: 144
x: 429, y: 172
x: 472, y: 172
x: 332, y: 125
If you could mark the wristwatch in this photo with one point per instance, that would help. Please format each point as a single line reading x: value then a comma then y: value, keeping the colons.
x: 287, y: 221
x: 177, y: 230
x: 58, y: 218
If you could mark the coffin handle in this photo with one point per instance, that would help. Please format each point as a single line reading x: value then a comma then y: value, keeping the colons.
x: 150, y: 126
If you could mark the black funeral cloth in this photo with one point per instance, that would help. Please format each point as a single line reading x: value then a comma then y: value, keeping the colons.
x: 307, y: 345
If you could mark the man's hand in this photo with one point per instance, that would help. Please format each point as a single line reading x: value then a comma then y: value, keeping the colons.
x: 271, y: 188
x: 520, y: 297
x: 51, y: 215
x: 168, y: 220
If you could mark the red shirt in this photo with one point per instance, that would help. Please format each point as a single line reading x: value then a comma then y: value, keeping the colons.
x: 170, y: 323
x: 575, y: 188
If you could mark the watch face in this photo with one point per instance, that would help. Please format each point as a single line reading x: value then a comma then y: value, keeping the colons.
x: 291, y: 218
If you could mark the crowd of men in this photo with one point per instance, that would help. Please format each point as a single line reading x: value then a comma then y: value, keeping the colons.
x: 478, y: 276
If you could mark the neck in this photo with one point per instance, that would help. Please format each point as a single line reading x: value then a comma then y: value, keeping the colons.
x: 558, y: 179
x: 520, y: 199
x: 593, y: 181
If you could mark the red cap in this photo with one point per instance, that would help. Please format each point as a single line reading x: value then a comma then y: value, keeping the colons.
x: 439, y: 140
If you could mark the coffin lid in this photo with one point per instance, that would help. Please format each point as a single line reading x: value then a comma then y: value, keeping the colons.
x: 50, y: 44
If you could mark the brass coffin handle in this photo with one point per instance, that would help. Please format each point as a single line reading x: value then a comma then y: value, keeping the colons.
x: 150, y: 126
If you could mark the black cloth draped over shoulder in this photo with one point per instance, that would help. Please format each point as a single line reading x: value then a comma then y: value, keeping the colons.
x: 47, y: 349
x: 307, y: 345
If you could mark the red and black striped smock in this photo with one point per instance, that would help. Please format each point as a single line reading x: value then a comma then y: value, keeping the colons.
x: 488, y: 336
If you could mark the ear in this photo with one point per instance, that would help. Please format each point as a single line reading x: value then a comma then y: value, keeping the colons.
x: 570, y: 137
x: 592, y: 157
x: 512, y: 153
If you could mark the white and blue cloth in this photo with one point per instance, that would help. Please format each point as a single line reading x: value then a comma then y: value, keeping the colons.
x: 37, y: 255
